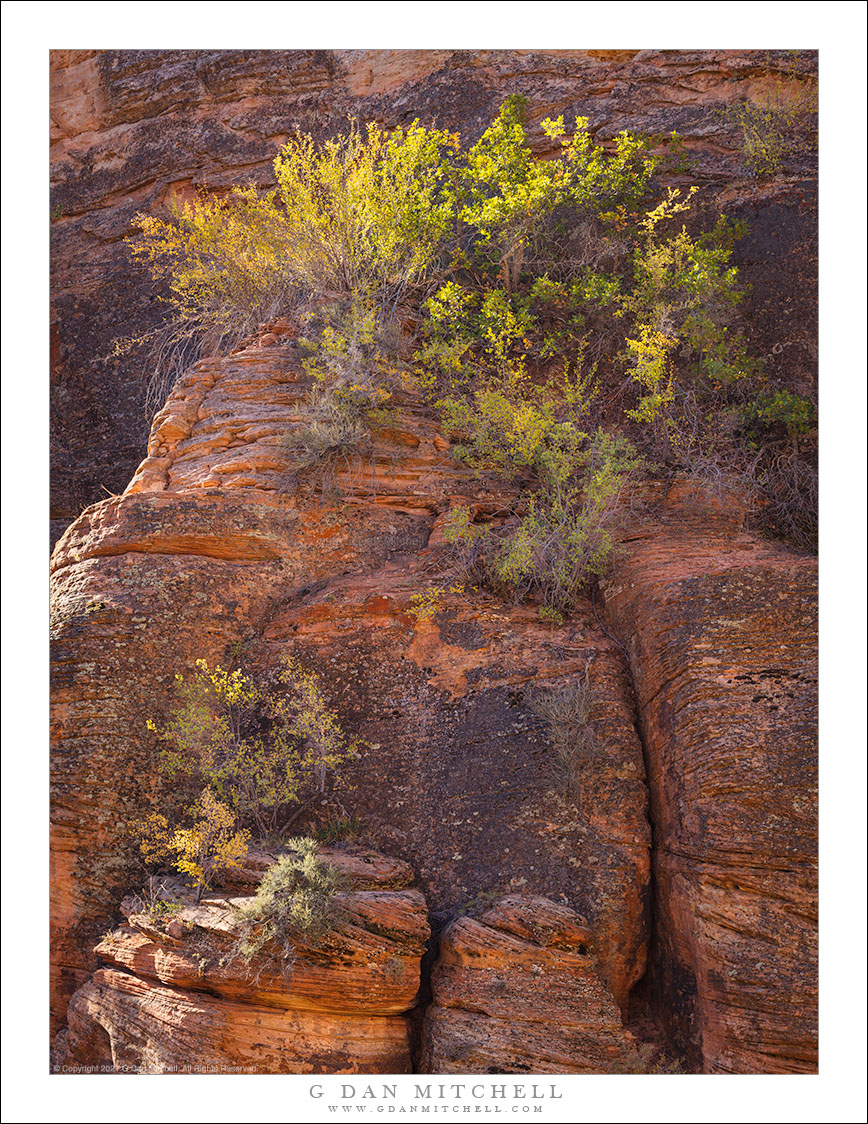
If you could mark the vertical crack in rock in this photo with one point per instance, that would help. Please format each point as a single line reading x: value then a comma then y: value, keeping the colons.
x: 722, y: 642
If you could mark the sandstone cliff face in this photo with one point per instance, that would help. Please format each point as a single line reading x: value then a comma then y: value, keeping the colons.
x: 721, y: 631
x: 131, y: 128
x: 213, y: 546
x: 215, y: 543
x: 205, y: 549
x: 172, y: 998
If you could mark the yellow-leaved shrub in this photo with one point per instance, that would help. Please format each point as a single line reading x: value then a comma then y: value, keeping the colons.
x: 212, y: 844
x: 255, y: 751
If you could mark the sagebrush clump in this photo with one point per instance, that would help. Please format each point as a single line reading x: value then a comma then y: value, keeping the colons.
x: 332, y: 433
x: 294, y: 904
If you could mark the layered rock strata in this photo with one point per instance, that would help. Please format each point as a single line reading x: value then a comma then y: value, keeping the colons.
x: 174, y: 996
x: 721, y: 631
x: 217, y: 545
x: 516, y: 990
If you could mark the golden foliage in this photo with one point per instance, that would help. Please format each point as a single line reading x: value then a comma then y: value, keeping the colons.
x: 261, y: 748
x: 212, y: 844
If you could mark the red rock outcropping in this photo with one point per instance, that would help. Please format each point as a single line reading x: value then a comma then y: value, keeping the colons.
x: 517, y: 991
x: 721, y: 630
x: 172, y: 998
x: 216, y: 543
x: 213, y: 545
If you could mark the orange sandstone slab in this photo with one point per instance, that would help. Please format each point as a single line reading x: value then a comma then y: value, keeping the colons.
x: 517, y: 990
x: 122, y: 1024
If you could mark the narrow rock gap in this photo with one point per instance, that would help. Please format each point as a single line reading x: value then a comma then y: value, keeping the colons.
x: 416, y: 1016
x: 643, y: 1016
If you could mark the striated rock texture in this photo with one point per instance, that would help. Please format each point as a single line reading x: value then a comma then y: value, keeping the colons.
x: 172, y: 998
x: 131, y: 128
x: 721, y: 630
x: 517, y: 991
x: 216, y: 546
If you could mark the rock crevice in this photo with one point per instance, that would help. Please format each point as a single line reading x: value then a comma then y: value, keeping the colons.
x: 732, y: 778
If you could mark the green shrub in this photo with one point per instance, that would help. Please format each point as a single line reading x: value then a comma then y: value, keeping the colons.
x: 260, y: 748
x: 791, y: 414
x: 361, y: 216
x: 676, y: 160
x: 367, y: 211
x: 294, y: 904
x: 563, y: 537
x: 513, y: 357
x: 779, y: 123
x: 366, y: 217
x: 339, y: 829
x: 679, y: 314
x: 347, y: 346
x: 224, y: 261
x: 533, y: 240
x: 539, y: 282
x: 349, y: 358
x: 356, y: 221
